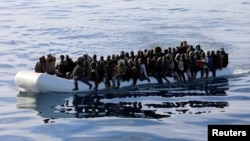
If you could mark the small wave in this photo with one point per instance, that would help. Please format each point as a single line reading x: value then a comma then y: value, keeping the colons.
x: 245, y: 3
x: 241, y: 71
x: 178, y: 9
x: 6, y: 66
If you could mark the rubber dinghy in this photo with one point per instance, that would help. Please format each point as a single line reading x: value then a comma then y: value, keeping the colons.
x: 29, y: 81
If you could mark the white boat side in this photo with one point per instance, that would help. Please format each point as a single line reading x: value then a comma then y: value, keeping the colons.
x: 29, y: 81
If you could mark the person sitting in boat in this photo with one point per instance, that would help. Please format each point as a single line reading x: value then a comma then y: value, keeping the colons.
x: 50, y: 64
x: 78, y: 74
x: 40, y: 65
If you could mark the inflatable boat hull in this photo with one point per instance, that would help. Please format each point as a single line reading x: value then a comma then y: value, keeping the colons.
x: 29, y: 81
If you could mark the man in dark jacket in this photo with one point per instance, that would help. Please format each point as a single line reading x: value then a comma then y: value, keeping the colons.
x: 78, y: 75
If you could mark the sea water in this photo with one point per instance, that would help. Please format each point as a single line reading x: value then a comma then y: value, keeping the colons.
x: 30, y: 29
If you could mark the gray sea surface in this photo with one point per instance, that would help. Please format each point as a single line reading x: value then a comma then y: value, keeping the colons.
x: 31, y: 28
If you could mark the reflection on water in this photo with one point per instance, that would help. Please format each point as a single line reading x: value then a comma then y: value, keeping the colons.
x: 145, y: 101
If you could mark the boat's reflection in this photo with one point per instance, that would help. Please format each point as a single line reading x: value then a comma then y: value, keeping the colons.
x: 118, y: 104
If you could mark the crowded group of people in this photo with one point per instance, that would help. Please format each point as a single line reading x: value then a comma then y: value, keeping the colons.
x: 181, y: 62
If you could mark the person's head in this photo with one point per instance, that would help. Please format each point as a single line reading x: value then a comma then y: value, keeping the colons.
x: 217, y: 52
x: 158, y: 49
x: 62, y: 57
x: 67, y: 57
x: 94, y: 57
x: 113, y: 57
x: 42, y: 58
x: 132, y: 53
x: 127, y: 55
x: 212, y: 52
x: 108, y: 58
x: 181, y: 45
x: 185, y: 44
x: 208, y: 53
x: 85, y: 56
x: 79, y: 61
x: 122, y: 53
x: 102, y: 58
x: 222, y: 51
x: 198, y: 47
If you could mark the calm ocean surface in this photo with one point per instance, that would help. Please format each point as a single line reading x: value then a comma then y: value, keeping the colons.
x: 32, y: 28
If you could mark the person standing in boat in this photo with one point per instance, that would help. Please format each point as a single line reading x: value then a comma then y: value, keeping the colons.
x: 172, y: 67
x: 87, y: 58
x: 119, y: 72
x: 224, y: 57
x: 109, y: 75
x: 192, y: 62
x: 216, y: 62
x: 134, y: 71
x: 61, y: 67
x: 95, y: 74
x: 40, y: 65
x: 159, y: 70
x: 69, y: 63
x: 143, y: 71
x: 203, y: 67
x: 180, y: 64
x: 165, y: 70
x: 78, y: 74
